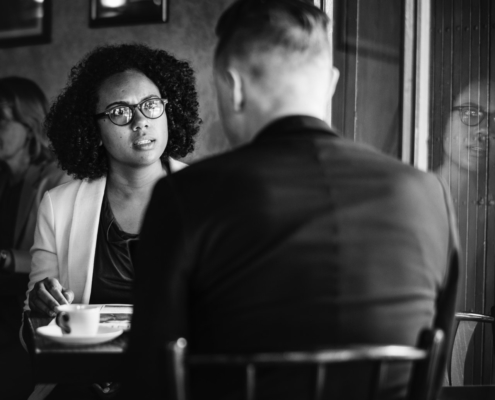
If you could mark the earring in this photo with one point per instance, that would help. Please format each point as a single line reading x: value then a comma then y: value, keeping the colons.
x: 101, y: 143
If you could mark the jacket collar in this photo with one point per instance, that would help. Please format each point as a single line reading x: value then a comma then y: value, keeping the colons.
x: 83, y: 235
x: 294, y: 126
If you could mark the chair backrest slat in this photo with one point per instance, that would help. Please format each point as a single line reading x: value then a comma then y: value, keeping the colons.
x: 377, y: 380
x: 320, y: 381
x: 250, y: 382
x: 424, y: 359
x: 422, y: 385
x: 176, y: 381
x: 328, y: 356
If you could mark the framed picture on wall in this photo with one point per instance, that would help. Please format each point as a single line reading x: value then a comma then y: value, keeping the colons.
x: 24, y: 22
x: 126, y: 12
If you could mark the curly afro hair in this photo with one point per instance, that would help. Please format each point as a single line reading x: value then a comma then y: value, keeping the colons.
x: 70, y: 123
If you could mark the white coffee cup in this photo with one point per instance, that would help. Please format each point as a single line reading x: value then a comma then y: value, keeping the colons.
x: 78, y: 319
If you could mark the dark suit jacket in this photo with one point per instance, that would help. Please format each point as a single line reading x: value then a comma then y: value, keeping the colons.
x: 298, y: 240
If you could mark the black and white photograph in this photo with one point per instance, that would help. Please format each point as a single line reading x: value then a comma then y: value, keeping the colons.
x: 247, y: 199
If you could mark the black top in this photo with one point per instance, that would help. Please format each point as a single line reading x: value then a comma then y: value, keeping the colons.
x: 9, y: 204
x: 113, y: 270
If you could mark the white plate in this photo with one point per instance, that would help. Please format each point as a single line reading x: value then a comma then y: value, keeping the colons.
x: 104, y: 334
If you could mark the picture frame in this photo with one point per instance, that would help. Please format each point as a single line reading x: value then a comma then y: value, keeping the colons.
x: 104, y: 13
x: 25, y: 22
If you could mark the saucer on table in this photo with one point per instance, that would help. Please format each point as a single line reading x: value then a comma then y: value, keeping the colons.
x: 104, y: 334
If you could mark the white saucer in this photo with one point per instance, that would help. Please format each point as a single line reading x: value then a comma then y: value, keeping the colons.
x: 104, y: 334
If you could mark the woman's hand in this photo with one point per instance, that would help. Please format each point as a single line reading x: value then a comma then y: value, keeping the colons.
x: 47, y: 295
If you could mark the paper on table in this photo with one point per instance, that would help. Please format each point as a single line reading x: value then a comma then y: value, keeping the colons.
x: 116, y: 315
x: 116, y: 309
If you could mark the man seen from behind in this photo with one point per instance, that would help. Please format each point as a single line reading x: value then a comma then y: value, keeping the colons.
x: 296, y: 239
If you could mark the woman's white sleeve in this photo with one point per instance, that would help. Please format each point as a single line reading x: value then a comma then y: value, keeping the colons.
x: 44, y: 251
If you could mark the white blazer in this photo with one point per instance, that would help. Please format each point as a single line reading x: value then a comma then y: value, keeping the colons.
x: 65, y: 235
x: 65, y: 242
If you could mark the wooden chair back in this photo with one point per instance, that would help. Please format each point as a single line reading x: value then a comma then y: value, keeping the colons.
x: 422, y: 385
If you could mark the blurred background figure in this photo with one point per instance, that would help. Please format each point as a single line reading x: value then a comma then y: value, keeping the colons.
x: 468, y: 145
x: 460, y: 149
x: 467, y: 137
x: 27, y: 170
x: 467, y: 163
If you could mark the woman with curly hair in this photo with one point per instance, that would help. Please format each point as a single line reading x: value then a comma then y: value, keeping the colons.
x: 127, y: 113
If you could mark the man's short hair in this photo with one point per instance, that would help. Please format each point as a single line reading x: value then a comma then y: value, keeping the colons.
x: 251, y: 30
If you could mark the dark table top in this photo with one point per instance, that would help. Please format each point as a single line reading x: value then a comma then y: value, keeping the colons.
x: 486, y: 392
x: 62, y: 363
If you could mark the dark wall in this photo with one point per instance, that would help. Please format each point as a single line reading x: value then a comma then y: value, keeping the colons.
x: 189, y: 35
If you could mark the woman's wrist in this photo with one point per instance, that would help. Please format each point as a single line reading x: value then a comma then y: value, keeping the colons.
x: 6, y: 261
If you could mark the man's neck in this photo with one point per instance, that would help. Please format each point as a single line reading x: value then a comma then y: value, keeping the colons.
x: 263, y: 118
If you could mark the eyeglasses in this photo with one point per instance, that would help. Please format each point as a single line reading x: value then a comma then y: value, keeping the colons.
x: 472, y: 116
x: 122, y: 114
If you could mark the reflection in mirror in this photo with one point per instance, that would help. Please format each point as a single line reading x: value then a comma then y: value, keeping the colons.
x: 467, y: 157
x: 467, y: 140
x: 462, y: 153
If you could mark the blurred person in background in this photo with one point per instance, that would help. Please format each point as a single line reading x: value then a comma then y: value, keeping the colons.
x: 468, y: 135
x: 27, y: 170
x: 468, y: 157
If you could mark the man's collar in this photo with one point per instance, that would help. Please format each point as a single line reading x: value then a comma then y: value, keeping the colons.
x: 294, y: 125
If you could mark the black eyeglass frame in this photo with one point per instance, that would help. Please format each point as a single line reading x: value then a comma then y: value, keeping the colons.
x: 133, y: 110
x: 480, y: 120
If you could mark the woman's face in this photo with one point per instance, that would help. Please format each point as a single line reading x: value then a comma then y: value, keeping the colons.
x: 13, y: 137
x: 466, y: 146
x: 142, y: 142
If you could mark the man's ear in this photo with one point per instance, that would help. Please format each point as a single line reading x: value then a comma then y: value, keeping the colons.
x: 236, y: 86
x: 334, y: 80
